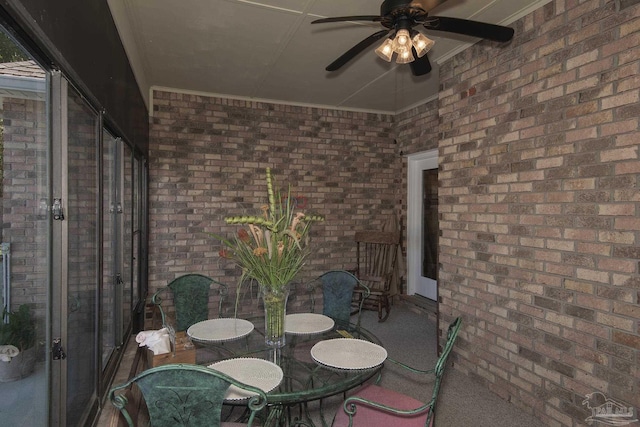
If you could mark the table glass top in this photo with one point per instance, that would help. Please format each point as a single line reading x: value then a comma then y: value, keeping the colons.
x: 304, y: 379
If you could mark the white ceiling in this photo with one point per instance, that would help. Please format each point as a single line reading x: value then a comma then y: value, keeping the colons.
x: 268, y: 49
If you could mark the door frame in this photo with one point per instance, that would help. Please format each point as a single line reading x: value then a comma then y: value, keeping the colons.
x: 416, y: 163
x: 58, y: 249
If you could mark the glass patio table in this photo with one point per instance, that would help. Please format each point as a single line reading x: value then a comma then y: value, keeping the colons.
x: 305, y: 378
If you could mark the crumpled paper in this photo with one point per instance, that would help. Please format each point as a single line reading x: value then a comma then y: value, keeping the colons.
x: 156, y: 341
x: 8, y: 352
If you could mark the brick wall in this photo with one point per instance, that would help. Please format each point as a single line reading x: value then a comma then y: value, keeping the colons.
x: 24, y: 184
x: 207, y: 162
x: 539, y: 207
x: 416, y: 131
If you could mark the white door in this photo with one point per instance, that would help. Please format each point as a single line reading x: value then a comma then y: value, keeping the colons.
x: 422, y: 226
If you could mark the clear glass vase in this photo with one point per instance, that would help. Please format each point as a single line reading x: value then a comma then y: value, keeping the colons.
x: 275, y: 310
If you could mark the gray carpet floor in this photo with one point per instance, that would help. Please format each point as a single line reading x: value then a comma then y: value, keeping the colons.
x: 410, y: 337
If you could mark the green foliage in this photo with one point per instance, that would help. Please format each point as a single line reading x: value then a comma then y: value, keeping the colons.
x: 21, y: 329
x: 9, y: 51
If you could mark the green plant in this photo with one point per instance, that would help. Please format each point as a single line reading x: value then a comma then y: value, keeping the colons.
x: 274, y: 248
x: 20, y: 331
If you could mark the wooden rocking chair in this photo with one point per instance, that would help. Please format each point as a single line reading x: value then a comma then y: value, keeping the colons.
x: 376, y: 253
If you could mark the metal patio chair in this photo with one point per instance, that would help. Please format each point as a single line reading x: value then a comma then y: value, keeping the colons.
x: 376, y: 406
x: 184, y: 395
x: 190, y: 298
x: 338, y: 287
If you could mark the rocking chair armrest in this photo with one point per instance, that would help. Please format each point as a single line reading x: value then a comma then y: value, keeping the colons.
x: 388, y: 278
x: 410, y: 368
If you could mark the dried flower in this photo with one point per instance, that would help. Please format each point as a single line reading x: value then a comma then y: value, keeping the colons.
x: 244, y: 236
x: 280, y: 249
x: 260, y: 251
x: 276, y: 246
x: 296, y: 221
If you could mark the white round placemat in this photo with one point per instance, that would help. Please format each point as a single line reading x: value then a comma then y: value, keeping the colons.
x: 259, y: 373
x: 218, y: 330
x: 348, y: 353
x: 307, y: 323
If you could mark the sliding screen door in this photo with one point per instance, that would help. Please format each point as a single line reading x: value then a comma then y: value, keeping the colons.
x: 25, y: 237
x: 82, y: 278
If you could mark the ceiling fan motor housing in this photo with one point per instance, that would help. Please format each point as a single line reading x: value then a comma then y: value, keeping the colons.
x: 389, y: 6
x: 393, y: 10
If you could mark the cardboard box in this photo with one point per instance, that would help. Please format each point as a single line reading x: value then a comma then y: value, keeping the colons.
x: 182, y: 354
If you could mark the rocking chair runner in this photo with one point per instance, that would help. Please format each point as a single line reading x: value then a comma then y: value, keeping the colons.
x: 376, y: 255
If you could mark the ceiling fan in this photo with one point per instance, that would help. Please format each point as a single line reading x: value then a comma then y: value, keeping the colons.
x: 399, y: 19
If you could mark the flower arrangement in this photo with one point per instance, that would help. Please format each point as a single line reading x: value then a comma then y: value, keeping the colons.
x: 271, y: 248
x: 274, y: 246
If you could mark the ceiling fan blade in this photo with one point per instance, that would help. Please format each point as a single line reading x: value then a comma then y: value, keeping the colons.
x: 351, y: 53
x: 420, y: 66
x: 470, y: 28
x: 373, y: 18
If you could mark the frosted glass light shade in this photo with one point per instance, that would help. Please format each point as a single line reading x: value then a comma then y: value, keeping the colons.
x: 402, y: 41
x: 422, y: 44
x: 405, y: 56
x: 385, y: 50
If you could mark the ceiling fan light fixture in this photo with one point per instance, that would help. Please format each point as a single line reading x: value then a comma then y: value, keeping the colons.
x: 385, y: 50
x: 422, y: 44
x: 400, y: 18
x: 405, y: 56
